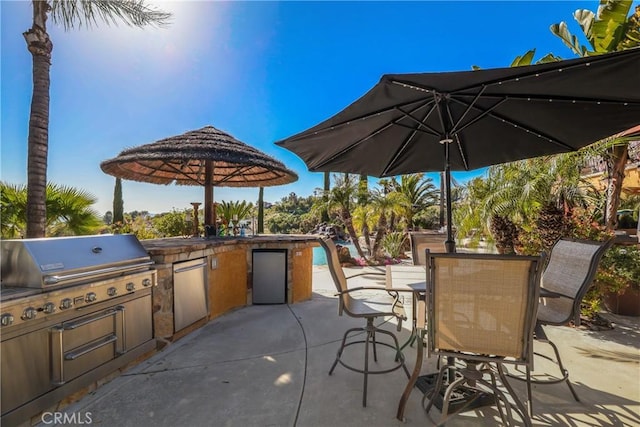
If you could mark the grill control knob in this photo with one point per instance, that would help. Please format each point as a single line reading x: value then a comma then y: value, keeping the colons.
x: 146, y: 282
x: 49, y: 308
x: 29, y: 313
x: 112, y: 291
x: 6, y: 319
x: 66, y: 304
x: 91, y: 297
x: 131, y: 287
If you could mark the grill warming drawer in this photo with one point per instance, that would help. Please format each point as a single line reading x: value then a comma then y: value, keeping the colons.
x: 85, y: 343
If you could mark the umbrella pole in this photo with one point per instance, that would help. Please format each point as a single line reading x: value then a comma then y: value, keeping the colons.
x: 450, y: 243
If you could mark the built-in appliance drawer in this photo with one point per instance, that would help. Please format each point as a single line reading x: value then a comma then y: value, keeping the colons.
x: 84, y: 343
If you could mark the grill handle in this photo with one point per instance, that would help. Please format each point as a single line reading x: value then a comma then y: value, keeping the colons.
x: 192, y: 267
x: 74, y: 325
x: 73, y: 355
x: 52, y: 280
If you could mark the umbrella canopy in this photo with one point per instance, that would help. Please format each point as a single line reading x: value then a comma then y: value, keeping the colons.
x: 207, y: 157
x: 411, y: 123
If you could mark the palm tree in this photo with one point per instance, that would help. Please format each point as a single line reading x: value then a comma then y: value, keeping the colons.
x: 543, y: 191
x: 68, y: 13
x: 417, y: 193
x: 343, y: 196
x: 69, y: 211
x: 384, y: 203
x: 611, y: 29
x: 469, y: 215
x: 234, y: 211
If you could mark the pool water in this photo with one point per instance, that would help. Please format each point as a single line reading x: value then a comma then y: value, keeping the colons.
x: 319, y: 257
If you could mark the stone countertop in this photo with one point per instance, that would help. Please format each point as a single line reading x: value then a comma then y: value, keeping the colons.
x: 180, y: 244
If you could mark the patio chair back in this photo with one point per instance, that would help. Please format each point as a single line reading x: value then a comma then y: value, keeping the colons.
x: 337, y: 273
x: 482, y: 304
x: 420, y: 241
x: 569, y: 272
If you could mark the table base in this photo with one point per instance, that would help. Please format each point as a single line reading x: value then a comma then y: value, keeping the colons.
x: 461, y: 400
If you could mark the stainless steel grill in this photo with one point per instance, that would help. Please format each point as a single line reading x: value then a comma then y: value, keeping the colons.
x: 72, y: 310
x: 55, y: 262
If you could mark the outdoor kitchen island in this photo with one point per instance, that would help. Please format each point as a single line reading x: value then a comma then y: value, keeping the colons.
x: 221, y: 276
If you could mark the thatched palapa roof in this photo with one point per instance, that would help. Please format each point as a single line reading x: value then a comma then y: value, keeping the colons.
x: 183, y: 159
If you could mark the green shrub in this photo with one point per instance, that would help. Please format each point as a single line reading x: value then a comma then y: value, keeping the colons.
x: 393, y: 243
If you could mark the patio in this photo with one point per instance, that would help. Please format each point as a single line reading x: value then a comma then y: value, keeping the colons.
x: 267, y: 365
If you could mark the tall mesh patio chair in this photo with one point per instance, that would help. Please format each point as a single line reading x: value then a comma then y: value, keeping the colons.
x: 421, y: 241
x: 481, y: 311
x: 569, y: 272
x: 374, y: 303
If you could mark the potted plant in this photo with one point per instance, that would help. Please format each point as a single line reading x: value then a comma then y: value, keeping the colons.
x: 618, y: 280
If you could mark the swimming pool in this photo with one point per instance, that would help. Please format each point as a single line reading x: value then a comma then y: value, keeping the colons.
x: 319, y: 257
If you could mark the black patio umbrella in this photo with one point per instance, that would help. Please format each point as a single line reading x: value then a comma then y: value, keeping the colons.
x: 206, y: 157
x: 455, y: 121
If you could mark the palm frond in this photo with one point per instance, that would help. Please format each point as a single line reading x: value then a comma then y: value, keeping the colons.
x: 87, y: 13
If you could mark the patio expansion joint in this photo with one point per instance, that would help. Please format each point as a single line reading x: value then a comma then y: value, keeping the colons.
x: 306, y: 364
x: 219, y: 362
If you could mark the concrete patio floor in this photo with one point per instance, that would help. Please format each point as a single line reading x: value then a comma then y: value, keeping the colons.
x: 268, y: 366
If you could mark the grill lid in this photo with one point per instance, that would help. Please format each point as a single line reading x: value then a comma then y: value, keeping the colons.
x: 39, y: 263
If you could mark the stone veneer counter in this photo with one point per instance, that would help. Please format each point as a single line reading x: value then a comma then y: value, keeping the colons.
x: 228, y: 273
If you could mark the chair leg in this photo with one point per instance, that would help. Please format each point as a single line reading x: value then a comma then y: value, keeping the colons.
x: 563, y: 370
x: 373, y: 338
x: 399, y: 354
x: 366, y: 366
x: 370, y: 331
x: 447, y: 395
x: 529, y: 393
x: 435, y: 391
x: 342, y: 346
x: 523, y: 411
x: 541, y: 337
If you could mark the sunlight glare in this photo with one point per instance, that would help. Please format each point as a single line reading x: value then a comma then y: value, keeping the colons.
x: 175, y: 47
x: 283, y: 379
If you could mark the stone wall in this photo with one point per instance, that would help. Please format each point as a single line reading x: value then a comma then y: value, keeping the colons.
x: 228, y: 274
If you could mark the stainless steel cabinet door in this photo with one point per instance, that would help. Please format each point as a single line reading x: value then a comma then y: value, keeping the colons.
x: 189, y: 293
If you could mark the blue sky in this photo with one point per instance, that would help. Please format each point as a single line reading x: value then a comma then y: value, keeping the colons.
x: 261, y: 71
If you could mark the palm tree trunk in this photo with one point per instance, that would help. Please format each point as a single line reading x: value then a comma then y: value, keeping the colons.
x: 442, y: 197
x: 381, y: 231
x: 617, y: 163
x: 40, y: 46
x: 348, y: 224
x: 324, y: 213
x: 363, y: 199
